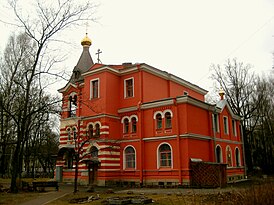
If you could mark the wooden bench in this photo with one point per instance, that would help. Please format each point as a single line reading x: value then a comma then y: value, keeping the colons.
x: 26, y: 186
x: 45, y: 184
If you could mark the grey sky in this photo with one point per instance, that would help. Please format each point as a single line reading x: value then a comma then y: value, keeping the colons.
x: 183, y: 37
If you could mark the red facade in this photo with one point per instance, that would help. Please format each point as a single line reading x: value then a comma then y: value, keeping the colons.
x: 142, y: 125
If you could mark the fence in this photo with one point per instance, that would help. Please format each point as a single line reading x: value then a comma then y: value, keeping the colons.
x: 207, y: 174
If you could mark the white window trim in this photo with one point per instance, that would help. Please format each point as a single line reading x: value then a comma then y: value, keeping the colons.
x: 125, y: 88
x: 132, y: 116
x: 91, y: 88
x: 239, y: 157
x: 226, y: 124
x: 71, y: 134
x: 125, y: 117
x: 90, y: 123
x: 241, y: 130
x: 158, y: 155
x: 124, y: 155
x: 158, y: 112
x: 217, y: 129
x: 87, y: 128
x: 234, y: 127
x: 221, y: 153
x: 72, y: 94
x: 98, y: 122
x: 226, y: 149
x: 123, y: 122
x: 168, y: 110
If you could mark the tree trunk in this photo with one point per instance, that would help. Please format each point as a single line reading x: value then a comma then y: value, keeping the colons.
x: 3, y: 164
x: 15, y: 168
x: 248, y: 151
x: 76, y: 173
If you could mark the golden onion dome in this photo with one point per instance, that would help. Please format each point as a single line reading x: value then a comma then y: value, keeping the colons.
x: 86, y: 41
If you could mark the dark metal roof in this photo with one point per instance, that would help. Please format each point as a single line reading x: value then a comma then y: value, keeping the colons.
x: 84, y: 63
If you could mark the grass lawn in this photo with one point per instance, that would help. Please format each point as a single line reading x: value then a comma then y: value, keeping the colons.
x: 257, y: 192
x: 13, y: 199
x: 10, y: 199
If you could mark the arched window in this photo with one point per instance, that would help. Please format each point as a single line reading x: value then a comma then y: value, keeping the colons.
x: 69, y: 133
x: 77, y: 74
x: 219, y: 156
x: 126, y: 125
x: 72, y: 105
x: 74, y: 130
x: 129, y: 157
x: 168, y: 120
x: 237, y: 156
x: 90, y: 131
x: 159, y: 121
x: 97, y: 130
x: 165, y: 155
x: 94, y: 152
x: 134, y: 125
x: 228, y: 156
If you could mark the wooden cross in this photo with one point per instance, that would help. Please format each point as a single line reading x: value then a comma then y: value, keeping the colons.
x: 98, y: 55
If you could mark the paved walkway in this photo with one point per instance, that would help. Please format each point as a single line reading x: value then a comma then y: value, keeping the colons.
x: 50, y: 196
x: 47, y: 198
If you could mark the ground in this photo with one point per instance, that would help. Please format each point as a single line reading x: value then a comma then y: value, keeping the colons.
x: 256, y: 191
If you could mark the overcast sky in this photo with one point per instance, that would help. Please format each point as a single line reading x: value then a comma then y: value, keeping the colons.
x: 183, y: 37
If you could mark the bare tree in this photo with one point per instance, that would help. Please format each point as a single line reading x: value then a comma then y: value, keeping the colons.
x: 245, y: 96
x: 263, y: 136
x: 29, y: 60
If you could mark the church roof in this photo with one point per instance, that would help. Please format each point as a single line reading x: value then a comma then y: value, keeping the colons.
x: 84, y: 63
x: 129, y: 67
x: 222, y: 104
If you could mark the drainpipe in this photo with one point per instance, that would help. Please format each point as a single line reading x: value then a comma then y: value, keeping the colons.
x: 178, y: 141
x: 141, y: 130
x: 243, y: 150
x: 214, y: 134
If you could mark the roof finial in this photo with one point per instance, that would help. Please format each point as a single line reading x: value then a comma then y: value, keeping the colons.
x: 222, y: 93
x: 86, y: 40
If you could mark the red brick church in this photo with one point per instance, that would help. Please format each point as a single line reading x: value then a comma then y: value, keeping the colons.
x: 136, y: 124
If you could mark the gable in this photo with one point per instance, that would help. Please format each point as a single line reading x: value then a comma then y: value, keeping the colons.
x: 67, y: 87
x: 222, y: 104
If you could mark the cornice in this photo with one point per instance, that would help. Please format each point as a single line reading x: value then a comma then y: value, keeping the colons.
x: 101, y: 69
x: 68, y: 146
x: 204, y: 137
x: 100, y: 116
x: 171, y: 77
x: 67, y: 87
x: 163, y: 74
x: 112, y: 70
x: 159, y: 103
x: 170, y: 101
x: 196, y: 136
x: 193, y: 101
x: 128, y: 109
x: 159, y: 138
x: 228, y: 141
x: 129, y: 140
